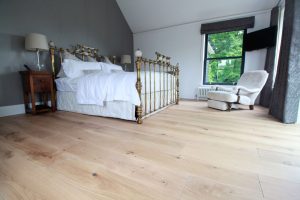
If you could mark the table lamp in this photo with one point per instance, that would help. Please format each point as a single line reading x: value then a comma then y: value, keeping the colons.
x: 36, y: 42
x: 126, y: 60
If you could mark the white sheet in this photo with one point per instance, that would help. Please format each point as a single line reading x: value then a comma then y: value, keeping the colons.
x: 66, y: 84
x: 99, y: 87
x: 115, y: 86
x: 70, y: 84
x: 66, y: 101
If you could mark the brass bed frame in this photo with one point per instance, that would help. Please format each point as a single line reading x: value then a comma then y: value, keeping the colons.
x: 168, y: 92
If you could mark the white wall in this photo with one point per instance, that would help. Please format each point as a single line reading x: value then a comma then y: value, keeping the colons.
x: 298, y: 120
x: 184, y: 44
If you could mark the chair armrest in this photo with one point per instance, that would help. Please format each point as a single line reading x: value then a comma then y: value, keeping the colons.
x: 224, y: 89
x: 241, y: 88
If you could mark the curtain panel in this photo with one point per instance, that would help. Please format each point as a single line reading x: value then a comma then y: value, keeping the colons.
x: 266, y: 93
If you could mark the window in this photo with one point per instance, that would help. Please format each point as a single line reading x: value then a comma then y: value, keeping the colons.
x: 224, y: 57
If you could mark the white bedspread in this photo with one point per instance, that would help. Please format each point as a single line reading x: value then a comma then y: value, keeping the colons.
x: 99, y: 87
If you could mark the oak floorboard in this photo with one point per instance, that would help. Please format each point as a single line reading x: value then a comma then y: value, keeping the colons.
x: 185, y: 152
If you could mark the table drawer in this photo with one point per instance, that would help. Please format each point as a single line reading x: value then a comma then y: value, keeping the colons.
x: 42, y: 84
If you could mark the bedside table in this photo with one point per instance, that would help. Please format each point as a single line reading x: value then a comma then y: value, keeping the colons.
x: 41, y: 83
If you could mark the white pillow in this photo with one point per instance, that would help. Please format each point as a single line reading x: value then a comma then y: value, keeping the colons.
x: 109, y: 68
x: 91, y: 59
x: 74, y: 69
x: 106, y: 60
x: 61, y: 73
x: 70, y: 56
x: 66, y: 55
x: 91, y: 71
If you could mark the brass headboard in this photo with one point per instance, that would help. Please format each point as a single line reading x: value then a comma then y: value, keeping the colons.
x: 78, y: 50
x: 84, y: 51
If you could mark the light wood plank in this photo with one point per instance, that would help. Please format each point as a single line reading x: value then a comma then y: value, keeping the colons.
x: 184, y: 152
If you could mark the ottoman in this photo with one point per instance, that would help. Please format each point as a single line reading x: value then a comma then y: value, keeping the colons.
x: 223, y: 100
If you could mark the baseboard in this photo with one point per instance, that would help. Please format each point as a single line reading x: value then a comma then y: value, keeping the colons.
x: 298, y: 120
x: 186, y: 99
x: 12, y: 110
x: 15, y: 109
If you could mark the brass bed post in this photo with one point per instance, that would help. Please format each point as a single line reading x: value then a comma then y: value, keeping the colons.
x: 160, y: 99
x: 167, y: 73
x: 145, y: 77
x: 138, y: 85
x: 61, y: 50
x: 174, y: 84
x: 177, y: 84
x: 154, y: 65
x: 150, y: 84
x: 52, y: 51
x: 171, y: 77
x: 164, y: 84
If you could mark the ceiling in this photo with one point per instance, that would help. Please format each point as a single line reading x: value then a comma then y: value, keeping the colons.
x: 144, y: 15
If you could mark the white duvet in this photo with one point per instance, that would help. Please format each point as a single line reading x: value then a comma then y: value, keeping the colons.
x: 96, y: 88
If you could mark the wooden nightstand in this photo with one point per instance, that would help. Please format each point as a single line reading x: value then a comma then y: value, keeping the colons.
x: 41, y: 83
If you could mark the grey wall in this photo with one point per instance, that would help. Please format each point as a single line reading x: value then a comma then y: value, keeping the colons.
x: 95, y: 23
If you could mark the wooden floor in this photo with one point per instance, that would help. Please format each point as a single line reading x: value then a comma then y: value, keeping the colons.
x: 184, y: 152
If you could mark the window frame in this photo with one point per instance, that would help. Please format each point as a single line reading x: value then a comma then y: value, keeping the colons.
x: 205, y: 82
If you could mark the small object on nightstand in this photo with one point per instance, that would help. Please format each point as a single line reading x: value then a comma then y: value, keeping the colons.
x: 26, y: 66
x: 38, y: 82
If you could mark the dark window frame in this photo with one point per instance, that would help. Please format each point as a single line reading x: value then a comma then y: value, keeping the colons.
x: 205, y: 82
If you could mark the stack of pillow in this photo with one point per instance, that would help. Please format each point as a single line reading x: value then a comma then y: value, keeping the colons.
x: 73, y: 67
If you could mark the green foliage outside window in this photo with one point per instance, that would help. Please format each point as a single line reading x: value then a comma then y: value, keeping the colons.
x: 224, y: 57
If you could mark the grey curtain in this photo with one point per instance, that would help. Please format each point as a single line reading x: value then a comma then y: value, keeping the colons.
x: 266, y: 93
x: 228, y: 25
x: 286, y: 94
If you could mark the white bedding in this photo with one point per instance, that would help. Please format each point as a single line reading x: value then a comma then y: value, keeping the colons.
x: 103, y: 89
x: 66, y: 84
x: 66, y: 101
x: 96, y: 88
x: 120, y: 86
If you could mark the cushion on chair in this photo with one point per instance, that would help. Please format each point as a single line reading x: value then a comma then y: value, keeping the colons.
x: 244, y: 100
x: 228, y: 97
x: 217, y: 105
x: 222, y: 96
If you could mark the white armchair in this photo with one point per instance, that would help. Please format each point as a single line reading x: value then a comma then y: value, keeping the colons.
x: 245, y: 92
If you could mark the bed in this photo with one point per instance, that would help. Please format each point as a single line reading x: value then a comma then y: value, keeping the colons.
x: 152, y: 87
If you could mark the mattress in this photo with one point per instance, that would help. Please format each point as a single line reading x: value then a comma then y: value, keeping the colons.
x: 156, y: 82
x: 66, y: 101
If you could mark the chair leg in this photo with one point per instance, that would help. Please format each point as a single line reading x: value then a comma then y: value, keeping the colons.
x: 229, y: 106
x: 251, y: 107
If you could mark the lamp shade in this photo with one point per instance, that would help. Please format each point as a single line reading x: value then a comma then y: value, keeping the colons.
x: 34, y: 41
x: 126, y: 59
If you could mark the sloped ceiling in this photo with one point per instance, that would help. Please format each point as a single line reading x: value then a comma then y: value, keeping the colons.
x: 144, y: 15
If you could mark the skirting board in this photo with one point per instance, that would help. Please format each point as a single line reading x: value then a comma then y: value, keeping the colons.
x: 15, y: 109
x: 20, y: 109
x: 12, y: 110
x: 298, y: 120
